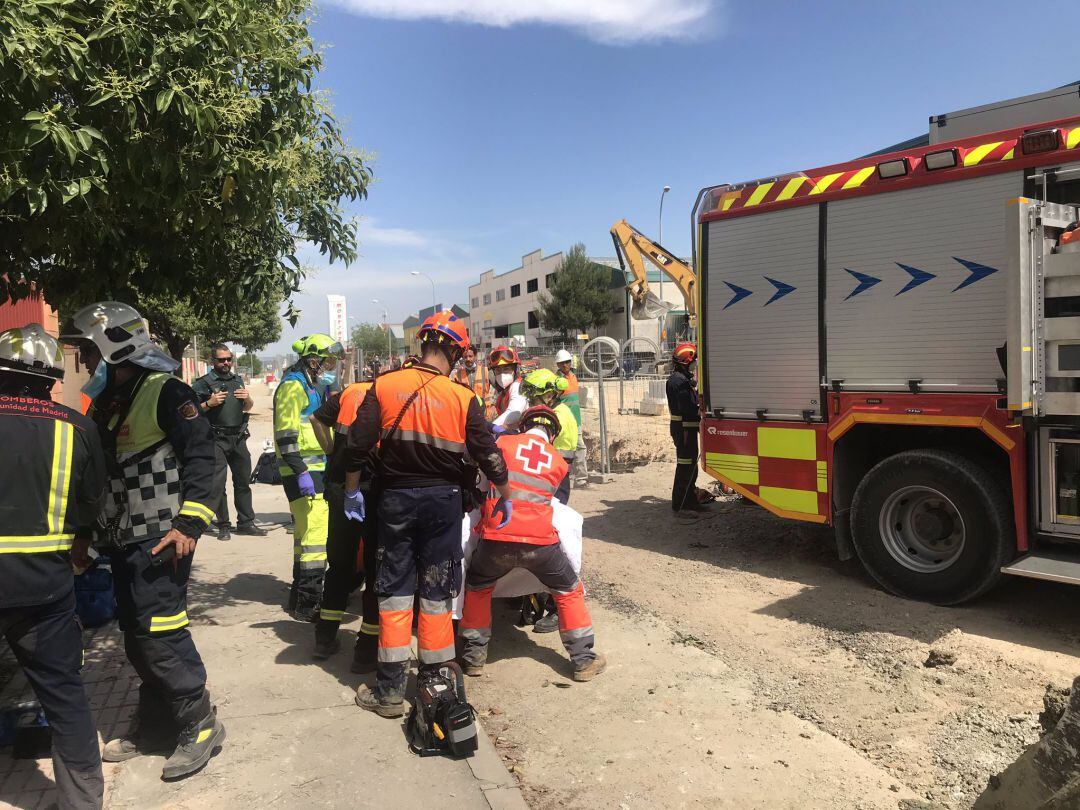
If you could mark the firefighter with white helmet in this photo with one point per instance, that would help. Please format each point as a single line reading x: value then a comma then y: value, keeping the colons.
x: 160, y: 453
x: 49, y: 501
x: 682, y: 397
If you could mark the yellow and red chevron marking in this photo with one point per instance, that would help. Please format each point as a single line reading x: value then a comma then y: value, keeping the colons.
x: 793, y: 188
x: 989, y: 152
x: 780, y: 465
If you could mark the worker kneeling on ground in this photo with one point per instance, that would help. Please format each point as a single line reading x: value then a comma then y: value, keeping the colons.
x: 528, y: 540
x: 424, y: 423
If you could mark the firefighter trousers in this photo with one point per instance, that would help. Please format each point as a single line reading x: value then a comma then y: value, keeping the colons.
x: 151, y: 604
x: 492, y: 560
x: 343, y: 541
x: 684, y: 490
x: 311, y: 515
x: 47, y: 644
x: 420, y: 552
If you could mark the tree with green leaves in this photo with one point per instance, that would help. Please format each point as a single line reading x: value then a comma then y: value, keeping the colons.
x: 177, y: 323
x: 166, y: 148
x: 249, y: 363
x: 579, y: 298
x: 369, y: 338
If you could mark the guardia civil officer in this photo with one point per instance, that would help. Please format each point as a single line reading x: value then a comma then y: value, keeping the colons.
x: 51, y: 491
x: 160, y: 454
x: 225, y: 400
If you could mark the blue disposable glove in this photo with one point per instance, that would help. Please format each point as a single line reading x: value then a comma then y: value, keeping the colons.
x: 498, y: 430
x: 307, y: 486
x: 504, y: 507
x: 354, y: 506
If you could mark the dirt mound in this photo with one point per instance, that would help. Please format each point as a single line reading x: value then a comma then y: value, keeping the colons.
x: 1047, y: 775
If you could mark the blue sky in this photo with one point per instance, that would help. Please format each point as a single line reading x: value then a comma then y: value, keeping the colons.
x: 501, y: 126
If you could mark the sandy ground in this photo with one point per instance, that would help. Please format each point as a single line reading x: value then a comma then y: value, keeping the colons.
x: 748, y: 667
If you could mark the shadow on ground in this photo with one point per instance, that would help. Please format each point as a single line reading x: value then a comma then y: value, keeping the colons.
x: 740, y: 537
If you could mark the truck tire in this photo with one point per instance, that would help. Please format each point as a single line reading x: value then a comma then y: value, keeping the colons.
x: 932, y: 525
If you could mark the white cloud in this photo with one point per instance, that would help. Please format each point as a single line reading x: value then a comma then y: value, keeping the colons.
x: 369, y: 232
x: 610, y: 21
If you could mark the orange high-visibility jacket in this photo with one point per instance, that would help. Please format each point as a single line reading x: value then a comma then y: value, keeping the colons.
x: 349, y: 404
x: 535, y: 469
x: 482, y: 385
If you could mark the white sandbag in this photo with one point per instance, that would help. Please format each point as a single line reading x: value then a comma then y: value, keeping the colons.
x: 520, y: 582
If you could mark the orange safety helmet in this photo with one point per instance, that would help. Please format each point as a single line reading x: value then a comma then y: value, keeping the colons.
x: 541, y: 416
x: 685, y: 353
x: 444, y: 327
x: 503, y: 356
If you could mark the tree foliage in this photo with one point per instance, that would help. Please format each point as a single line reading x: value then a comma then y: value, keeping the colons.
x: 580, y: 297
x: 370, y: 338
x: 166, y: 147
x: 249, y: 363
x: 177, y: 323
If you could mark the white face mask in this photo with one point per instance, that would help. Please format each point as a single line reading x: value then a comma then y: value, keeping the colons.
x: 505, y: 379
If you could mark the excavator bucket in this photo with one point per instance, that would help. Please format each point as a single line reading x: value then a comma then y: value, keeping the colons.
x: 649, y: 308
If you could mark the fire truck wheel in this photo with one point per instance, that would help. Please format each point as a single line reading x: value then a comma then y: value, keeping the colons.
x: 932, y: 525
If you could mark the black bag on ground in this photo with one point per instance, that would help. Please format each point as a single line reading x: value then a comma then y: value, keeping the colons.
x: 266, y: 469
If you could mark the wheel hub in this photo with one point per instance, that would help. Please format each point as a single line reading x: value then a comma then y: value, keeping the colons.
x: 922, y: 529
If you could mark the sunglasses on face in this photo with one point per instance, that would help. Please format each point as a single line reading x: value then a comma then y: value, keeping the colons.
x: 223, y: 360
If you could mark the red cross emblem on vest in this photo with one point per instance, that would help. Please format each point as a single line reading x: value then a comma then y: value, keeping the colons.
x: 534, y: 457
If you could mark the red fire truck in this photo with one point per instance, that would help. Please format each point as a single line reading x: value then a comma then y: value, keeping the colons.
x: 892, y: 346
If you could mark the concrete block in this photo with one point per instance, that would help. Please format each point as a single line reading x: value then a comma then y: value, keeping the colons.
x: 653, y: 407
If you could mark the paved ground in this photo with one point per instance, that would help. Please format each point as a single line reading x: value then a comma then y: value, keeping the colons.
x: 294, y: 735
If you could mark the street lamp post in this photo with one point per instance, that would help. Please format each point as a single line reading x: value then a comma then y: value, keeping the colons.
x: 660, y: 284
x: 386, y: 320
x: 434, y: 304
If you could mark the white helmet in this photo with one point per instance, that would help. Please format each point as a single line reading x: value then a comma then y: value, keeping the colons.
x: 563, y: 356
x: 31, y: 350
x: 116, y: 329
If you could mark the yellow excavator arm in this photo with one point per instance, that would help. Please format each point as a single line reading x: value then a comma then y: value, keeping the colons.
x: 633, y: 248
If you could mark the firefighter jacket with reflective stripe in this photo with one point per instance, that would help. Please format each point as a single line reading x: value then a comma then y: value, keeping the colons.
x: 52, y: 487
x: 339, y: 412
x: 441, y: 424
x: 682, y: 399
x: 160, y: 451
x: 566, y: 441
x: 298, y: 450
x: 535, y: 469
x: 481, y: 381
x: 571, y: 397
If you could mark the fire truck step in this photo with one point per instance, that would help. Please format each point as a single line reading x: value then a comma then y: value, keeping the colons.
x: 1054, y: 567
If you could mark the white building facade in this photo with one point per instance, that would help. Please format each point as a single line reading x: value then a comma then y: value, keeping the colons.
x: 504, y: 307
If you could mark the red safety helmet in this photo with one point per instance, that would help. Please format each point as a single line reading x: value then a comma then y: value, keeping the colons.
x: 685, y: 353
x: 503, y: 356
x: 541, y: 416
x: 444, y: 327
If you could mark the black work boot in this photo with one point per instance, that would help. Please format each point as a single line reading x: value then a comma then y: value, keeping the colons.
x: 197, y: 743
x: 365, y: 657
x: 251, y: 530
x: 550, y: 622
x: 224, y: 531
x: 326, y: 640
x: 307, y: 607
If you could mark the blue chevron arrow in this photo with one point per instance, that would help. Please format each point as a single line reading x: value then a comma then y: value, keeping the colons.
x: 978, y: 272
x: 782, y: 289
x: 917, y: 277
x: 865, y: 283
x: 740, y: 294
